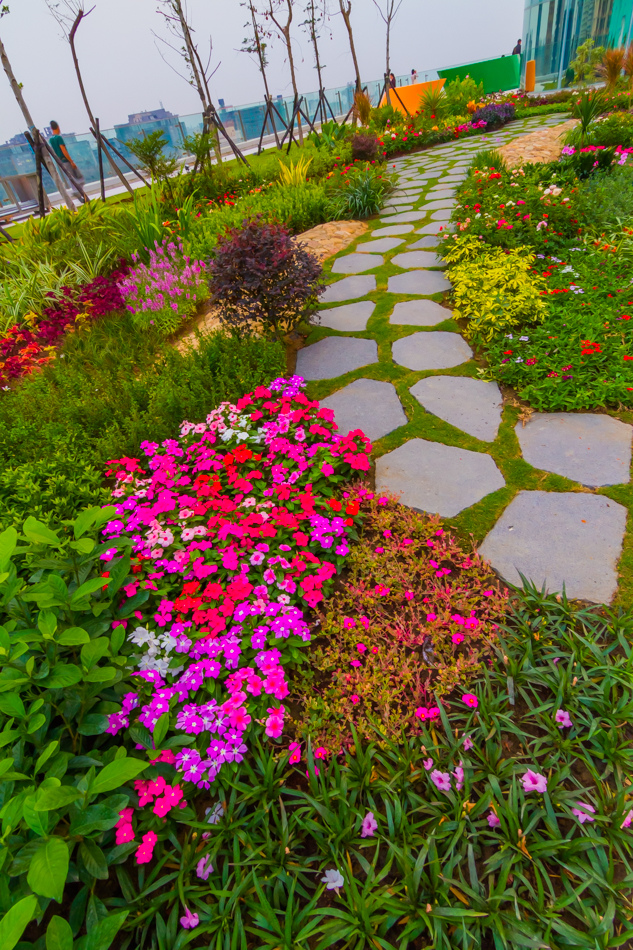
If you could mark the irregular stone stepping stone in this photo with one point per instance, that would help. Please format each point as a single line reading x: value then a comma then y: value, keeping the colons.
x: 590, y: 448
x: 349, y: 288
x: 569, y: 539
x: 402, y: 217
x: 394, y: 229
x: 418, y: 282
x: 334, y: 356
x: 439, y: 479
x: 434, y: 229
x: 437, y: 194
x: 418, y: 259
x: 442, y: 205
x: 369, y: 405
x: 350, y: 316
x: 396, y: 209
x: 397, y: 199
x: 436, y: 349
x: 468, y: 404
x: 356, y: 263
x: 380, y: 246
x: 419, y: 313
x: 429, y: 241
x: 442, y: 214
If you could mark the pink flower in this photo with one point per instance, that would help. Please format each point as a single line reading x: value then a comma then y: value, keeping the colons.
x: 124, y: 833
x: 627, y: 820
x: 204, y: 868
x: 354, y: 698
x: 441, y: 780
x: 189, y: 921
x: 361, y: 647
x: 534, y: 782
x: 369, y: 825
x: 457, y: 637
x: 583, y: 812
x: 320, y: 752
x: 428, y: 764
x: 422, y: 712
x: 493, y: 821
x: 145, y: 850
x: 468, y: 744
x: 327, y: 469
x: 431, y: 617
x: 471, y: 700
x: 563, y: 719
x: 295, y: 753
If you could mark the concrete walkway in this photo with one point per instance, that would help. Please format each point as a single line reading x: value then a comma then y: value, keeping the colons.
x: 560, y: 538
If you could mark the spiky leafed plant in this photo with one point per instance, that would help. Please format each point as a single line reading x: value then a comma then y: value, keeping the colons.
x: 362, y: 107
x: 433, y: 104
x: 610, y: 69
x: 627, y: 66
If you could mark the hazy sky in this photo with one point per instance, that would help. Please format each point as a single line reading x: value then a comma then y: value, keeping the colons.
x: 124, y: 72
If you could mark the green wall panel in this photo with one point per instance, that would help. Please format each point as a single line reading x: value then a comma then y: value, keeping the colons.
x: 496, y: 74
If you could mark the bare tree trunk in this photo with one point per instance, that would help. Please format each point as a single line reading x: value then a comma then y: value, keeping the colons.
x: 346, y: 9
x: 82, y: 89
x: 261, y: 56
x: 284, y: 30
x: 17, y: 92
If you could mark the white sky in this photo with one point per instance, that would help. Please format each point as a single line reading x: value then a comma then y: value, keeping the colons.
x: 124, y: 72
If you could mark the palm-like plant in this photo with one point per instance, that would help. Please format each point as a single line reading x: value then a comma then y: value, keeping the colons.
x: 610, y: 69
x: 433, y: 103
x: 586, y: 109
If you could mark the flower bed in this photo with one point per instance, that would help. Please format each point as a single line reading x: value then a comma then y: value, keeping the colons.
x: 239, y: 524
x: 398, y: 140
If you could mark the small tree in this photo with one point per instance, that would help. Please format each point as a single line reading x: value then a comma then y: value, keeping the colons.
x: 345, y: 7
x: 283, y: 30
x: 588, y: 58
x: 262, y: 275
x: 610, y: 69
x: 388, y: 15
x: 149, y: 149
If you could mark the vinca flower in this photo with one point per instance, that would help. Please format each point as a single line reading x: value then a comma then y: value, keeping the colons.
x: 369, y: 825
x: 333, y: 880
x: 534, y: 782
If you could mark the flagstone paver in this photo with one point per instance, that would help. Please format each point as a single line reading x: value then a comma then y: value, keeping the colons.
x: 589, y: 448
x: 418, y: 259
x: 335, y: 356
x: 369, y: 405
x: 392, y: 229
x: 419, y: 313
x: 468, y: 404
x: 429, y: 241
x: 443, y: 214
x: 403, y: 217
x: 356, y: 263
x: 418, y: 282
x: 347, y: 317
x: 380, y: 246
x: 349, y: 288
x: 560, y: 539
x: 435, y: 349
x: 439, y: 479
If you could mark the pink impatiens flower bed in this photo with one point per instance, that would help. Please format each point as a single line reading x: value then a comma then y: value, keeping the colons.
x: 236, y: 527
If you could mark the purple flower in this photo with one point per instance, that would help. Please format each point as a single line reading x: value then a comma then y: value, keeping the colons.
x: 534, y: 782
x: 189, y: 921
x: 204, y: 868
x: 441, y: 780
x: 369, y: 826
x: 583, y: 812
x: 563, y: 719
x: 333, y: 879
x: 493, y: 821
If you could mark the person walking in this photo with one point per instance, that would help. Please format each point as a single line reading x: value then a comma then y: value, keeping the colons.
x: 517, y: 49
x: 58, y: 145
x: 414, y: 76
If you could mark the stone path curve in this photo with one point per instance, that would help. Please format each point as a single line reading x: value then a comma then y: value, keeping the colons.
x: 568, y: 537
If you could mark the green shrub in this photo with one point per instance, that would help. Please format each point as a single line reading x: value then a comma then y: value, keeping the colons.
x: 607, y: 198
x: 616, y: 129
x: 459, y: 92
x: 359, y: 193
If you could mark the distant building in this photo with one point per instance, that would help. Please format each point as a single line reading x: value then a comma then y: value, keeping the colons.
x: 554, y: 29
x: 138, y: 117
x: 19, y: 139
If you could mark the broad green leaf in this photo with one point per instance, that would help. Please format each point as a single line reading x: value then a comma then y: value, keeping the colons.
x: 94, y: 724
x: 104, y: 931
x: 12, y: 705
x: 52, y: 798
x: 89, y: 587
x: 119, y: 570
x: 100, y: 674
x: 93, y: 859
x: 45, y: 755
x: 49, y: 869
x: 73, y: 636
x: 92, y: 517
x: 36, y: 820
x: 160, y: 729
x: 5, y: 642
x: 93, y: 651
x: 116, y: 774
x: 59, y: 935
x: 15, y: 921
x: 62, y: 675
x: 47, y: 623
x: 38, y: 533
x: 83, y: 546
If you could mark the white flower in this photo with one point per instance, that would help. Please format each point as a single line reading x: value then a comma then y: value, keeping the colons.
x: 333, y: 879
x: 520, y: 360
x: 524, y: 339
x: 167, y: 642
x: 214, y: 814
x: 226, y: 435
x: 159, y: 664
x: 509, y: 336
x: 142, y: 636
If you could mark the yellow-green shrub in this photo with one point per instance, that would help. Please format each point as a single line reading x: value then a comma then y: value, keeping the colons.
x: 494, y: 289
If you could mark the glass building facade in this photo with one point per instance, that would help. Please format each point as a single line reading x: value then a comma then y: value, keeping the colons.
x: 553, y: 29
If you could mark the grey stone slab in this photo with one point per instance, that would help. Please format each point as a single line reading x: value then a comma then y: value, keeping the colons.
x: 381, y: 246
x: 418, y: 259
x: 560, y: 539
x: 392, y: 229
x: 434, y: 228
x: 397, y: 209
x: 356, y: 263
x: 429, y: 241
x: 468, y: 404
x: 440, y: 194
x: 441, y: 204
x: 419, y: 313
x: 398, y: 199
x: 435, y: 349
x: 403, y: 217
x: 349, y: 288
x: 334, y: 356
x: 589, y: 448
x: 418, y: 282
x: 347, y: 317
x: 436, y: 478
x: 369, y: 405
x: 442, y: 214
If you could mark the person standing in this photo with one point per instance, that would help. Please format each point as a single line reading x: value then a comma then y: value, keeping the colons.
x: 414, y: 77
x: 392, y: 80
x: 517, y: 49
x: 58, y: 145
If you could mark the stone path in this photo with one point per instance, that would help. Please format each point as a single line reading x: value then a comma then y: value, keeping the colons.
x: 570, y: 538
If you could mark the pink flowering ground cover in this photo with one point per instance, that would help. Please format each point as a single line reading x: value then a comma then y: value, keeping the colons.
x: 238, y: 527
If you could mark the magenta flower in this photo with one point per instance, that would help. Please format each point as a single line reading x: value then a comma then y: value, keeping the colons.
x: 583, y: 812
x: 441, y: 780
x: 189, y: 921
x: 428, y: 764
x: 369, y: 826
x: 628, y: 819
x: 534, y: 782
x: 471, y: 700
x: 468, y: 743
x: 295, y: 753
x: 563, y: 719
x: 493, y: 821
x: 204, y: 868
